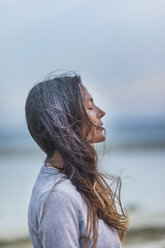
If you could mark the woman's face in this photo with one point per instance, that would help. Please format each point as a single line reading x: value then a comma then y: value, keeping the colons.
x: 95, y: 134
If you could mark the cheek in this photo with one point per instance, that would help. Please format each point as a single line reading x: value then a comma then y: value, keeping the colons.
x: 91, y: 135
x: 92, y: 116
x: 93, y: 132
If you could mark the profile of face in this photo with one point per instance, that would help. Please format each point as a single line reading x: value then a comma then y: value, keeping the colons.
x: 94, y: 113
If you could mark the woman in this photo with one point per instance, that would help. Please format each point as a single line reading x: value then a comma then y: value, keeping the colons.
x: 71, y: 204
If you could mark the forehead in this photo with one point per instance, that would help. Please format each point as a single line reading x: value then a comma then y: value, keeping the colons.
x: 86, y: 95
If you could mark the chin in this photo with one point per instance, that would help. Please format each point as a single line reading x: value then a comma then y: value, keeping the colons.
x: 100, y: 139
x: 96, y: 137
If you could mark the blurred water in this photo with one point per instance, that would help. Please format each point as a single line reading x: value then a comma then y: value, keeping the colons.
x: 142, y: 172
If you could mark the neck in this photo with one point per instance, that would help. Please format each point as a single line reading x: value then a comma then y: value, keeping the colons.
x: 56, y: 160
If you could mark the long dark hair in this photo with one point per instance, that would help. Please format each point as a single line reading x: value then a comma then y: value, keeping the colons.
x: 55, y: 114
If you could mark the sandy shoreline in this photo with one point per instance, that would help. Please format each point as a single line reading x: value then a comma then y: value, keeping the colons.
x: 137, y: 238
x: 145, y: 231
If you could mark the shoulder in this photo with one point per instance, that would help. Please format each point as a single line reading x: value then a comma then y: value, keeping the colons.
x: 63, y: 203
x: 63, y: 194
x: 68, y: 190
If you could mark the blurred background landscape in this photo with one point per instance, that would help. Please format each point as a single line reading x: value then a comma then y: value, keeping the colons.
x: 118, y: 49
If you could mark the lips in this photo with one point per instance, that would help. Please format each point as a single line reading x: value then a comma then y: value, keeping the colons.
x: 100, y: 126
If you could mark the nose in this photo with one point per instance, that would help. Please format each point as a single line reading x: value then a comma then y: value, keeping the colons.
x: 101, y: 113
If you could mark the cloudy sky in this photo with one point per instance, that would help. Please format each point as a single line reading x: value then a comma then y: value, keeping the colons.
x: 116, y: 46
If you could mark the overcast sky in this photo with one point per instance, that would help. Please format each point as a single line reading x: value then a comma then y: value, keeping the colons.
x: 116, y: 46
